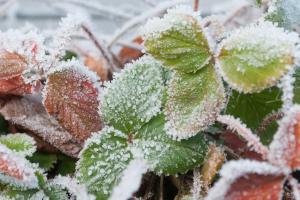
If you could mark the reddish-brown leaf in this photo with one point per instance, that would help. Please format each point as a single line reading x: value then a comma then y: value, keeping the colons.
x: 72, y: 98
x: 98, y: 66
x: 256, y: 187
x: 127, y: 54
x: 12, y: 66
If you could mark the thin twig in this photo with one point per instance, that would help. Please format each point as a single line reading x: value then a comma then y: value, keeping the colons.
x: 104, y: 51
x: 196, y: 5
x: 161, y: 188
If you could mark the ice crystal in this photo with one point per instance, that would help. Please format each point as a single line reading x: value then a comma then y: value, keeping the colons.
x: 134, y: 96
x: 21, y: 144
x: 259, y: 49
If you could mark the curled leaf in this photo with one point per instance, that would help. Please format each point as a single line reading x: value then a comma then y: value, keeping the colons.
x: 71, y: 96
x: 194, y: 101
x: 256, y: 57
x: 178, y: 40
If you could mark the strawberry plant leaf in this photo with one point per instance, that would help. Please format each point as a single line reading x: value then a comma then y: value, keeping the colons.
x: 21, y: 144
x: 194, y: 101
x: 297, y: 86
x: 168, y: 156
x: 18, y: 194
x: 71, y: 95
x: 178, y: 40
x: 134, y: 96
x: 102, y: 161
x: 256, y: 57
x: 253, y: 108
x: 45, y: 161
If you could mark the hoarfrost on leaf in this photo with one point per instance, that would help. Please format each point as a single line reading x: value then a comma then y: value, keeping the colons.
x: 134, y: 96
x: 21, y: 144
x: 193, y: 103
x: 257, y: 56
x: 178, y: 40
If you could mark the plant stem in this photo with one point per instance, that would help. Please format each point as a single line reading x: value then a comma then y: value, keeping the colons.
x: 196, y: 5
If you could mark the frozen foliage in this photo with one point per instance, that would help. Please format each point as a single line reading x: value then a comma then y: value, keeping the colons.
x: 287, y: 86
x: 259, y: 49
x: 77, y: 191
x: 16, y: 170
x: 241, y: 129
x: 21, y: 144
x: 235, y: 169
x: 194, y: 101
x: 134, y: 96
x: 131, y: 180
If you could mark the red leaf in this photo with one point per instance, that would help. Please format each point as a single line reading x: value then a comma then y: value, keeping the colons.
x: 127, y: 54
x: 285, y: 147
x: 72, y: 97
x: 98, y: 66
x: 12, y: 66
x: 256, y: 187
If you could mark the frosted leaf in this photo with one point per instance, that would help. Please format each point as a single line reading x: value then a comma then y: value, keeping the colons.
x: 257, y: 56
x: 16, y: 170
x: 252, y: 140
x: 178, y: 40
x: 21, y: 144
x: 71, y: 96
x: 193, y: 103
x: 131, y: 180
x: 12, y: 66
x: 284, y: 150
x: 134, y: 96
x: 165, y: 155
x: 11, y: 193
x: 77, y: 191
x: 30, y: 113
x: 286, y: 13
x: 246, y: 179
x: 102, y: 161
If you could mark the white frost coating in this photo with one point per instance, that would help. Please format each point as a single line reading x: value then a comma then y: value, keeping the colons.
x: 284, y: 141
x: 77, y: 67
x: 131, y: 180
x: 77, y: 191
x: 236, y: 169
x: 27, y: 143
x: 295, y: 188
x: 287, y: 86
x: 16, y: 170
x: 175, y: 17
x: 252, y: 140
x: 134, y: 95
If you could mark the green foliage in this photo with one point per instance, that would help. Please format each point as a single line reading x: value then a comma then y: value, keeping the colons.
x: 134, y: 96
x: 168, y: 156
x: 21, y: 144
x: 45, y: 161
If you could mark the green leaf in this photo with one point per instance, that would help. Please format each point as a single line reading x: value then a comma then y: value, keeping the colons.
x: 178, y: 41
x: 194, y: 101
x: 286, y: 13
x: 134, y: 96
x: 297, y: 86
x: 102, y: 161
x: 256, y: 57
x: 66, y: 165
x: 44, y: 160
x: 253, y: 108
x: 12, y: 193
x: 168, y: 156
x: 69, y: 55
x: 21, y: 144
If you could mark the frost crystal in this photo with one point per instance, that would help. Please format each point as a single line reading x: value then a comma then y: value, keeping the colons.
x: 131, y: 180
x: 257, y: 56
x: 134, y: 96
x: 16, y: 170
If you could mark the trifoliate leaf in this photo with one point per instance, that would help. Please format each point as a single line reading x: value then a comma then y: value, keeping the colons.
x: 286, y: 13
x: 256, y: 57
x: 21, y: 144
x: 194, y: 101
x: 134, y: 96
x: 253, y: 108
x: 102, y: 161
x: 44, y: 160
x: 71, y: 95
x: 166, y: 155
x: 178, y: 40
